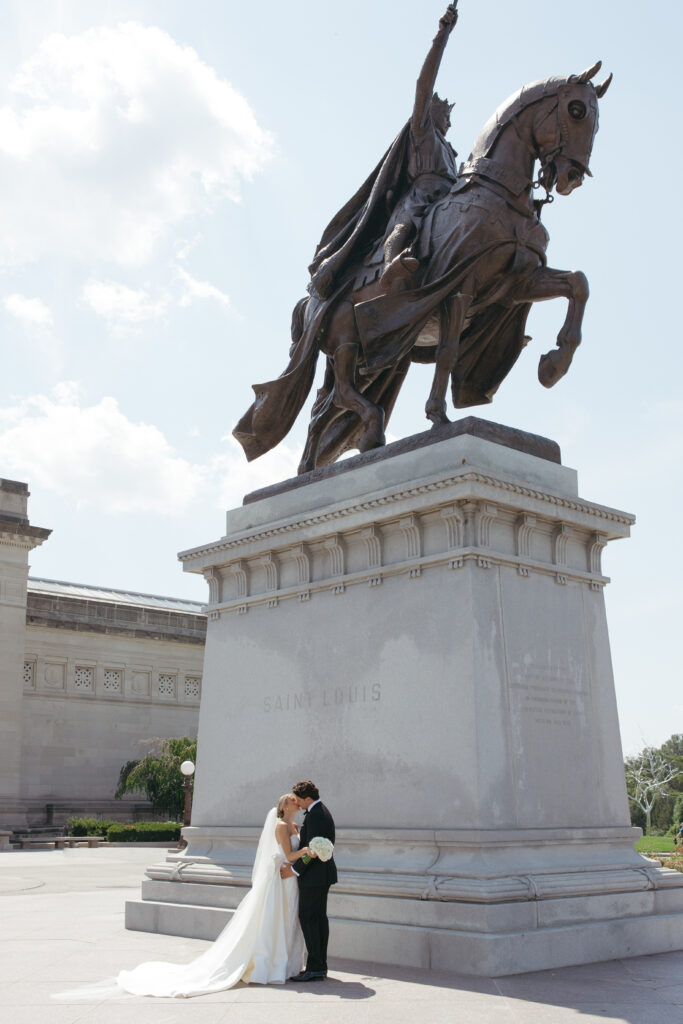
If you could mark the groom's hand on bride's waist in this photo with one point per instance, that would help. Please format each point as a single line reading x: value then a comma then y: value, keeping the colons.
x: 286, y: 871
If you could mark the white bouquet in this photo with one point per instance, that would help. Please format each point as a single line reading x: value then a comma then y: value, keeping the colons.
x: 321, y: 847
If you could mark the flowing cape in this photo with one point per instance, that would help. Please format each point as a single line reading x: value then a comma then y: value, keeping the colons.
x: 345, y: 240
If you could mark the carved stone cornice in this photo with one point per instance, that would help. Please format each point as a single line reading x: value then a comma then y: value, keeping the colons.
x: 557, y: 506
x: 83, y: 615
x: 21, y: 535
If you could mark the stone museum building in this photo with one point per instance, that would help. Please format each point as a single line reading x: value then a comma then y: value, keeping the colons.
x: 87, y: 676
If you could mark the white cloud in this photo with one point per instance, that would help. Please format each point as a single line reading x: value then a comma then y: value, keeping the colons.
x: 118, y: 303
x: 112, y: 137
x: 30, y: 312
x: 235, y: 477
x: 193, y: 290
x: 124, y: 307
x: 95, y: 455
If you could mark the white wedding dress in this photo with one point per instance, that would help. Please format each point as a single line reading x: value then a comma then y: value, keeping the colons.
x: 261, y: 944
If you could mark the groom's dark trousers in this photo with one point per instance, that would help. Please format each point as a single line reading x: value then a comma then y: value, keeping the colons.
x: 315, y: 879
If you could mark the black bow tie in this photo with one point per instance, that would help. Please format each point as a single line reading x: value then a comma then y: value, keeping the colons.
x: 305, y: 813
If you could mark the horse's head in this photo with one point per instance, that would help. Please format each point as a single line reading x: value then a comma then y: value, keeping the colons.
x: 564, y: 128
x: 554, y: 121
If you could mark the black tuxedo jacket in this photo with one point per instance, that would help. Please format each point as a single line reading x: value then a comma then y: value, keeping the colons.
x: 318, y: 822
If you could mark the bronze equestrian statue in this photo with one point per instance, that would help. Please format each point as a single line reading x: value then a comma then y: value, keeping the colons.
x: 426, y: 265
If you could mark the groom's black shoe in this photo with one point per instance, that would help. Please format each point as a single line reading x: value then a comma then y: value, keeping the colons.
x: 310, y: 976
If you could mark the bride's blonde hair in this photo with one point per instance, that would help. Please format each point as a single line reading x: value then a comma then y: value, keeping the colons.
x: 281, y: 804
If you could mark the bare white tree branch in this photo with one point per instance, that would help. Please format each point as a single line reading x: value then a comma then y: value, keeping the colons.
x: 650, y: 775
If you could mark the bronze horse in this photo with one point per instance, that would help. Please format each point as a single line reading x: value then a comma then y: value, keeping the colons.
x: 482, y: 263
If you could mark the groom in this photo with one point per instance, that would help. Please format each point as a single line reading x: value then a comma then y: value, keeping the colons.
x: 315, y: 879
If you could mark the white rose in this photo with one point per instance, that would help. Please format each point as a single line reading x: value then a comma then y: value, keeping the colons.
x: 321, y: 847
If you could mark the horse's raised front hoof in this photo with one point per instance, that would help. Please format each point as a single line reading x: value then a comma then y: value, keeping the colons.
x: 552, y: 367
x: 436, y: 412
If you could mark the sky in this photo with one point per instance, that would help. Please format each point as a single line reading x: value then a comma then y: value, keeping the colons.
x: 167, y: 169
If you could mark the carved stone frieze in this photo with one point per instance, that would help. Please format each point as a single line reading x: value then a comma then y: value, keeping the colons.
x: 240, y: 572
x: 303, y: 568
x: 303, y: 563
x: 214, y: 583
x: 561, y: 538
x: 596, y: 543
x: 556, y: 505
x: 270, y: 566
x: 467, y: 537
x: 525, y: 526
x: 407, y: 529
x: 412, y: 535
x: 455, y: 525
x: 336, y: 559
x: 372, y: 540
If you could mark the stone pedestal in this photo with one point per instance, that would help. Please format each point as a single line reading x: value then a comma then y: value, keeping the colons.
x: 423, y: 633
x: 17, y: 538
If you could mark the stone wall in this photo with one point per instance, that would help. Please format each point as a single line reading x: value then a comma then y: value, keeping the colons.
x: 88, y: 676
x: 91, y: 700
x: 17, y: 538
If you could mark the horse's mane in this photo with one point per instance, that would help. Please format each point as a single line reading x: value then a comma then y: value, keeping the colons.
x: 514, y: 105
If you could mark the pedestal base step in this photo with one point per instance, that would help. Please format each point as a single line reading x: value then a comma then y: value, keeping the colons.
x: 192, y: 922
x: 446, y: 949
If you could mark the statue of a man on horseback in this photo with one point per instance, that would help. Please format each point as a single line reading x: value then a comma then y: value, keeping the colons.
x: 425, y: 264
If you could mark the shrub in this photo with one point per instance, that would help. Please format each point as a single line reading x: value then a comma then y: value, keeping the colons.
x: 88, y: 826
x: 144, y: 832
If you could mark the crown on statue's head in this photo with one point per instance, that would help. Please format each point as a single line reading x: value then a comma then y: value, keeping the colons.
x: 440, y: 104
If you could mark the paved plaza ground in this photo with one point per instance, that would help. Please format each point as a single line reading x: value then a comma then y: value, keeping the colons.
x: 63, y: 926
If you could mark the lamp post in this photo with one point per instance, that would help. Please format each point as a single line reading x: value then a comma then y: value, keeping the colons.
x: 187, y: 768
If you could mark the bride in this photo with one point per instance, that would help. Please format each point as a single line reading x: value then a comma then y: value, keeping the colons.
x: 261, y: 944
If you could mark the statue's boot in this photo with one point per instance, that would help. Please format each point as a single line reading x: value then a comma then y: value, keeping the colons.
x: 401, y: 266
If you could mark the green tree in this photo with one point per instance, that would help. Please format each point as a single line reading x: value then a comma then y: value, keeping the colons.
x: 157, y: 775
x: 672, y: 750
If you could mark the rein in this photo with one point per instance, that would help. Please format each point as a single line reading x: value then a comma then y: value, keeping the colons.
x: 539, y: 182
x: 508, y: 183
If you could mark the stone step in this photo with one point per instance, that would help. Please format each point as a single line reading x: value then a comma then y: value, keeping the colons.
x: 190, y: 921
x: 487, y: 955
